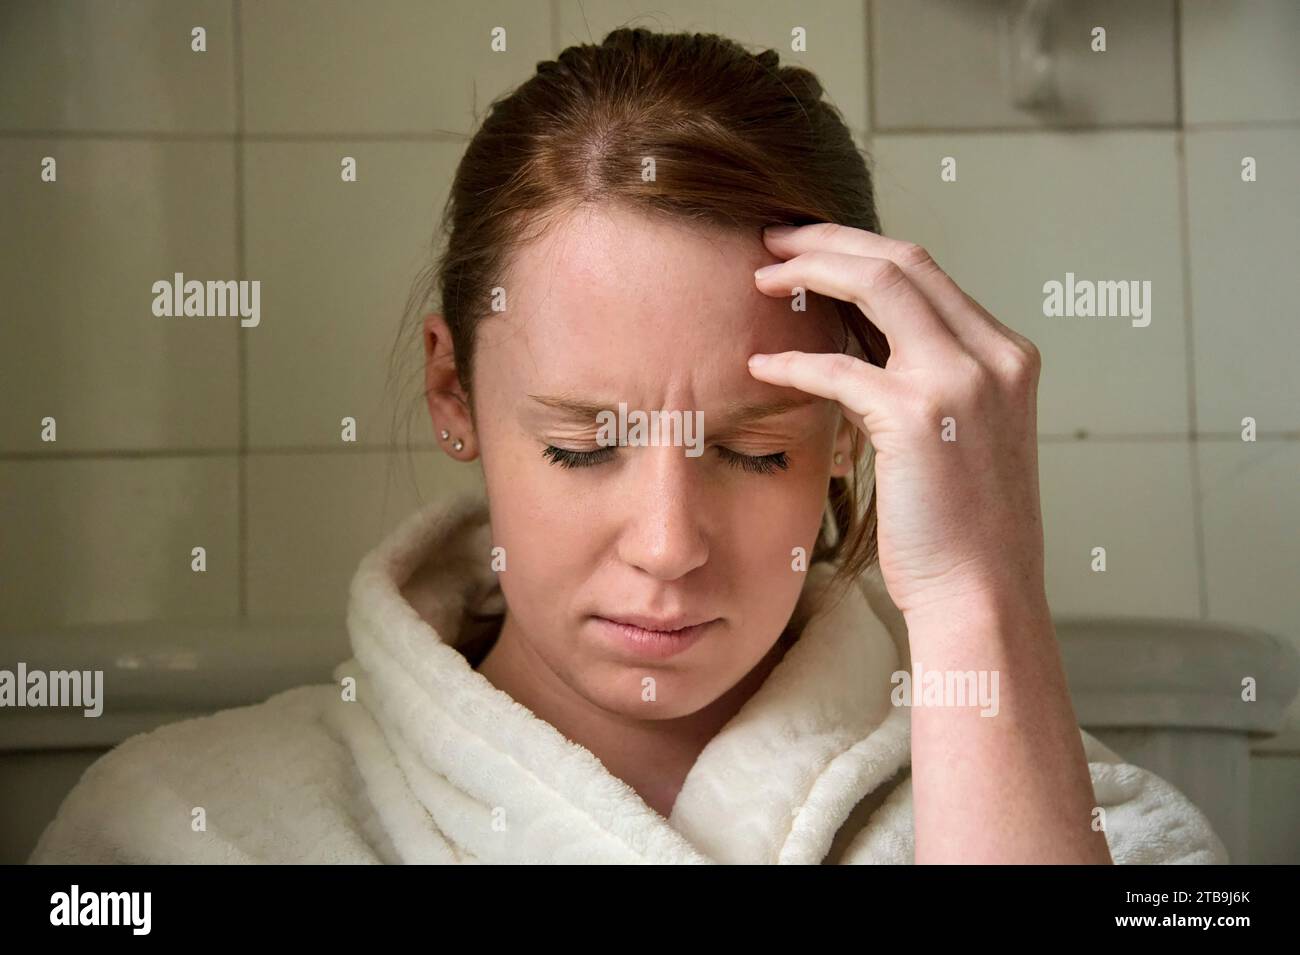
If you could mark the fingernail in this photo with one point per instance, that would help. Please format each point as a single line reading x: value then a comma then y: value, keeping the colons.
x: 778, y: 231
x: 756, y: 360
x: 766, y: 270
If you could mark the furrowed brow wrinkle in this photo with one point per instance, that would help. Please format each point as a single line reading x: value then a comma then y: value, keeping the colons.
x: 576, y: 407
x: 734, y: 413
x: 751, y: 411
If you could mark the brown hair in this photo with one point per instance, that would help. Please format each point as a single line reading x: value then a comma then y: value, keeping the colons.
x: 737, y: 141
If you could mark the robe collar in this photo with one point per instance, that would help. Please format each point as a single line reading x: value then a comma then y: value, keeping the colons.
x: 773, y: 786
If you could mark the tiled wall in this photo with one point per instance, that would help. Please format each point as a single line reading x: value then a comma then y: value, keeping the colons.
x: 226, y: 164
x: 222, y: 164
x: 1137, y: 176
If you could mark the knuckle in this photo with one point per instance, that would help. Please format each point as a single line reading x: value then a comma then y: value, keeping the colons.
x: 1021, y: 361
x: 977, y: 374
x: 974, y: 381
x: 841, y: 368
x: 912, y: 256
x: 929, y: 407
x: 881, y: 275
x: 1032, y: 356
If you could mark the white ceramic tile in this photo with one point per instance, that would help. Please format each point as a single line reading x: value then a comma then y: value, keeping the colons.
x: 835, y: 32
x: 110, y: 539
x: 385, y: 66
x: 78, y: 259
x: 1029, y: 208
x: 1250, y: 506
x: 312, y: 517
x: 1244, y: 240
x: 124, y: 66
x: 1241, y: 60
x: 939, y: 64
x: 337, y: 261
x: 1135, y: 500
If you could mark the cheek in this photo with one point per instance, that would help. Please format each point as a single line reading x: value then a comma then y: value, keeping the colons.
x: 777, y: 522
x: 543, y: 540
x: 517, y: 475
x: 538, y: 525
x: 777, y: 514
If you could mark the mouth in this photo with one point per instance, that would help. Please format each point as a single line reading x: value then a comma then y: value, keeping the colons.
x: 654, y: 637
x: 665, y: 625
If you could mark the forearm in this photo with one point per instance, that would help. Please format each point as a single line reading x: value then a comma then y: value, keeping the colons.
x: 1006, y: 788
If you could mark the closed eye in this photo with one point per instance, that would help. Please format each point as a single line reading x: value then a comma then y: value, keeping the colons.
x: 755, y: 464
x: 758, y: 464
x: 577, y: 459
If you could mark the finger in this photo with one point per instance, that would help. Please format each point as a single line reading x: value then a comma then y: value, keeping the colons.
x: 969, y: 320
x: 877, y: 286
x: 860, y: 388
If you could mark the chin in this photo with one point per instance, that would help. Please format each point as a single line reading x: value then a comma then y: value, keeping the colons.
x: 626, y: 694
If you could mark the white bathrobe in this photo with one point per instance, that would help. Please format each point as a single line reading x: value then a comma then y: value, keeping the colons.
x: 431, y: 763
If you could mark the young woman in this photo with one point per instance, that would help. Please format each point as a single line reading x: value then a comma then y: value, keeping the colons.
x: 695, y: 648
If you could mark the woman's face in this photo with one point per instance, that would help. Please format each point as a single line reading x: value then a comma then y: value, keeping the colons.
x: 612, y: 307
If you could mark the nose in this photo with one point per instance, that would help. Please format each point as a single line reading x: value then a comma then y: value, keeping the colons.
x: 664, y: 534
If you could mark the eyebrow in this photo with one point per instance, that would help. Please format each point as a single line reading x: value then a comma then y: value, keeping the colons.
x: 733, y: 413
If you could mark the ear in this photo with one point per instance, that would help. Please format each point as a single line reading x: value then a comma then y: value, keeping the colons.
x: 449, y: 407
x: 844, y: 447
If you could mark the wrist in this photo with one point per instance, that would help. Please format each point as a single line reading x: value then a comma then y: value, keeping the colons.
x: 1000, y: 610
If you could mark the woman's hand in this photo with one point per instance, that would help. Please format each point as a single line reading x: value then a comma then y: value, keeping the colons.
x: 952, y: 416
x: 953, y: 420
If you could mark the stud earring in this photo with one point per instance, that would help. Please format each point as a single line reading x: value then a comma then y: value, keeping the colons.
x: 458, y: 444
x: 444, y: 434
x: 839, y: 457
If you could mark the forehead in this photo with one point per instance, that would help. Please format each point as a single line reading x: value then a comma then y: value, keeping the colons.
x: 613, y: 298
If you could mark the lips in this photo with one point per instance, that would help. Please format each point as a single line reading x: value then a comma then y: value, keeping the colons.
x: 666, y: 625
x: 643, y: 643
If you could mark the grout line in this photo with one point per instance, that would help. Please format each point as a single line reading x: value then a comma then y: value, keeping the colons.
x: 447, y: 136
x: 1179, y: 112
x: 436, y: 136
x: 869, y: 78
x: 1140, y: 437
x: 241, y: 267
x: 1198, y: 533
x: 1242, y: 124
x: 1189, y: 353
x: 142, y: 135
x: 1040, y: 129
x: 1185, y: 254
x: 222, y: 452
x: 306, y: 449
x: 1245, y: 124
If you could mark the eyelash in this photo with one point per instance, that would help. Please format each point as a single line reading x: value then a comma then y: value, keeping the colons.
x: 755, y: 464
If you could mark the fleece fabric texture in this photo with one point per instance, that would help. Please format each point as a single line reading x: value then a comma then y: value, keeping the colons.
x: 430, y: 763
